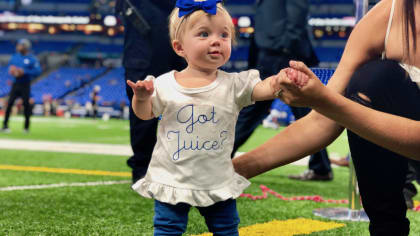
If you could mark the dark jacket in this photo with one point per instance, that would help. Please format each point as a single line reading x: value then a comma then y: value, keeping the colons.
x: 281, y: 25
x: 148, y: 51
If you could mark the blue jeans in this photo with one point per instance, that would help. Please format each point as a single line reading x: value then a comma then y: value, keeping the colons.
x: 222, y: 218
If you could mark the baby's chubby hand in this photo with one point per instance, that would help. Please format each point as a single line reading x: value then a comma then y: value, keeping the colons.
x: 142, y: 89
x: 299, y: 78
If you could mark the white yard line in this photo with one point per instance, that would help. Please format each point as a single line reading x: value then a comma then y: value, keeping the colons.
x: 44, y: 186
x: 90, y: 148
x: 50, y: 146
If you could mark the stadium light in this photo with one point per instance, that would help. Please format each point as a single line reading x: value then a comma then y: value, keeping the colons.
x: 110, y: 21
x: 244, y: 21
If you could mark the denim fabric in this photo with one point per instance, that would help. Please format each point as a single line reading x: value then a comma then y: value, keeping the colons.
x: 221, y: 218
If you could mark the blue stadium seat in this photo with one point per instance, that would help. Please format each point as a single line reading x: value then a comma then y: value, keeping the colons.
x: 324, y: 74
x: 62, y: 81
x: 101, y: 48
x: 112, y: 89
x: 4, y: 77
x: 51, y: 46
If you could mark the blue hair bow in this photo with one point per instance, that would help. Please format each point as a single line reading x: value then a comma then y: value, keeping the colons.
x: 188, y: 6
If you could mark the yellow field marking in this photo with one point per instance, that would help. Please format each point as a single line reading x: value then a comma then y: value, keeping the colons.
x: 286, y: 228
x: 65, y: 171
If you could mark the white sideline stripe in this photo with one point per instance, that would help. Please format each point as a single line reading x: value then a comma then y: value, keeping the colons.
x: 49, y: 146
x: 44, y: 186
x: 90, y: 148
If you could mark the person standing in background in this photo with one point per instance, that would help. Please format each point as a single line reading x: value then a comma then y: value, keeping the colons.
x: 280, y: 36
x: 147, y: 51
x: 95, y: 100
x: 24, y: 67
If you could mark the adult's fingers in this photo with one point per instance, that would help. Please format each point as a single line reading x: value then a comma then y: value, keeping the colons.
x: 298, y: 65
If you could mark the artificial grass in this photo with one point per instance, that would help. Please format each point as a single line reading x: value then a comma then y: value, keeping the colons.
x: 116, y: 209
x: 84, y: 130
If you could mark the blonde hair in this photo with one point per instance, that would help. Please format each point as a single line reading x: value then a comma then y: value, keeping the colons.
x: 177, y: 24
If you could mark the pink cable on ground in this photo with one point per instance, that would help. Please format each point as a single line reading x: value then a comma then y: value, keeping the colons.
x: 265, y: 190
x: 316, y: 198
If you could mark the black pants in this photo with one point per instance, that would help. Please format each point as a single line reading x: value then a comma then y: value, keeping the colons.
x: 143, y: 132
x: 22, y: 90
x: 381, y: 173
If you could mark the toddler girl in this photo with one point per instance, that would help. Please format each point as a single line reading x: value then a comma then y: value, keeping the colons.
x: 191, y: 164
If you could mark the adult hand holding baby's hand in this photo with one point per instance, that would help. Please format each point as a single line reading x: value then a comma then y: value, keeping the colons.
x: 142, y: 89
x: 300, y: 86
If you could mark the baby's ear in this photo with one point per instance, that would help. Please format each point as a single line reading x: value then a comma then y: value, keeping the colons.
x: 177, y: 46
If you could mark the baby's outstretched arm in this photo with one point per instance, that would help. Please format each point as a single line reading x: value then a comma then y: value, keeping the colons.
x: 142, y: 99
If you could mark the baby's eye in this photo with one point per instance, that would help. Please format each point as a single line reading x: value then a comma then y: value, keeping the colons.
x: 225, y: 35
x: 204, y: 34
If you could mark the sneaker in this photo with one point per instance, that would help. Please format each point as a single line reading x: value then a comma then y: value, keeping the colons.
x: 309, y: 175
x: 340, y: 162
x: 270, y: 124
x: 26, y: 131
x: 6, y: 130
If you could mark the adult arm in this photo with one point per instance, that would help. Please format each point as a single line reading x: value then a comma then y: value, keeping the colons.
x: 395, y: 133
x: 315, y: 131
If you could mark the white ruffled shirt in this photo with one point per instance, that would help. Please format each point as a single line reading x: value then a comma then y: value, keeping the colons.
x: 191, y: 160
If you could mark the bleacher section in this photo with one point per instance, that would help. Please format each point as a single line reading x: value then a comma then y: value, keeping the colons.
x: 4, y: 77
x: 323, y: 74
x: 63, y: 81
x: 7, y: 47
x: 95, y: 50
x: 52, y: 46
x: 112, y: 91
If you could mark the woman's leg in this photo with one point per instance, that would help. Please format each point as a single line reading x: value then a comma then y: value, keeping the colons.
x: 382, y: 85
x: 170, y: 220
x: 222, y: 218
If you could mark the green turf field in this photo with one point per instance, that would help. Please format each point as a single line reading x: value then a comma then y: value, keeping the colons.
x: 116, y: 209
